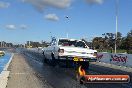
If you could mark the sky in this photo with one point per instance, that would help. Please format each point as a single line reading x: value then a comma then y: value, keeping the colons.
x: 37, y: 20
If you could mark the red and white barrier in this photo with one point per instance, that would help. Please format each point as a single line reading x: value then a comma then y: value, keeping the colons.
x: 103, y: 57
x: 117, y: 59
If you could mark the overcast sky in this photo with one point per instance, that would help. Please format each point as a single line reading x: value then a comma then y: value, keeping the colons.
x: 36, y: 20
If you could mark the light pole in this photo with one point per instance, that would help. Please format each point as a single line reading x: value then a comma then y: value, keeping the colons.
x: 67, y: 18
x: 117, y: 6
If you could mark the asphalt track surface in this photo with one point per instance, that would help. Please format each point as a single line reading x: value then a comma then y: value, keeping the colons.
x: 61, y: 77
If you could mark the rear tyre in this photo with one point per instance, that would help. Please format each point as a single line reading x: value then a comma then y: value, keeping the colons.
x: 44, y: 58
x: 82, y: 80
x: 53, y: 61
x: 85, y: 65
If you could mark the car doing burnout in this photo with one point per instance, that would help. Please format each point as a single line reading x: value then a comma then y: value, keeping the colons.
x: 69, y: 51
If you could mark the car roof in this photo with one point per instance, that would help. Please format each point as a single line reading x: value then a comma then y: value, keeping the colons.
x: 69, y: 39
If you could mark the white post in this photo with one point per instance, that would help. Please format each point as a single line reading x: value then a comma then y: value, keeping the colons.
x: 117, y: 2
x: 67, y: 18
x: 67, y: 35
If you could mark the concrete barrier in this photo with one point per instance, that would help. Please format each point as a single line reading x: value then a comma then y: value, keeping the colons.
x: 103, y: 57
x: 111, y: 58
x: 117, y: 59
x: 129, y: 63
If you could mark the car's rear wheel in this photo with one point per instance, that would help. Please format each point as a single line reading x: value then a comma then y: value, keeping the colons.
x: 45, y: 59
x: 85, y: 65
x: 53, y: 61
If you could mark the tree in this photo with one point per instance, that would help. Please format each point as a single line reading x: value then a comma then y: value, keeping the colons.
x: 118, y: 40
x: 129, y: 42
x: 109, y: 40
x: 123, y: 43
x: 126, y: 42
x: 129, y: 34
x: 98, y: 43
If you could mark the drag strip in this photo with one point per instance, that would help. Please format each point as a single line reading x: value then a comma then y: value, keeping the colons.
x: 65, y: 77
x: 55, y: 76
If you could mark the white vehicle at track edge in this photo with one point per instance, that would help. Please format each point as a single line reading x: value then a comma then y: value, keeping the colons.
x: 69, y: 51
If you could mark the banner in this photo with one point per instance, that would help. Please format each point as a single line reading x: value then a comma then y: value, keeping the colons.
x: 117, y: 59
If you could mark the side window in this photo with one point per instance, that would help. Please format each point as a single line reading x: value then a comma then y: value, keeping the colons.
x: 80, y: 44
x: 53, y: 42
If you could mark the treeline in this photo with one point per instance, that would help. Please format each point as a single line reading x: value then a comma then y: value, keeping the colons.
x: 108, y: 40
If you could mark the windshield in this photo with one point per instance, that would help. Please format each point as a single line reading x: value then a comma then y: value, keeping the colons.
x: 73, y: 43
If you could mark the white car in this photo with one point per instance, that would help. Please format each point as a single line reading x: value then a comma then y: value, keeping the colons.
x: 69, y: 51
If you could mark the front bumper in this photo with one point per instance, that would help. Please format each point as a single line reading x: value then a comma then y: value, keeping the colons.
x: 76, y: 59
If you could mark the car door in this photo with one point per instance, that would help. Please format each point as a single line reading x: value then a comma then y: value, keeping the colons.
x: 51, y: 48
x: 48, y: 51
x: 55, y: 48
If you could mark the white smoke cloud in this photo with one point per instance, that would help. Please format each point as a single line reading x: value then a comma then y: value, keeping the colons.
x: 13, y: 27
x: 23, y: 26
x: 10, y: 26
x: 95, y: 1
x: 52, y: 17
x: 4, y: 4
x: 40, y: 4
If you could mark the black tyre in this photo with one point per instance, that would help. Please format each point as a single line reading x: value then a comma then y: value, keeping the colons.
x: 44, y: 58
x: 85, y: 65
x: 82, y: 80
x: 53, y: 61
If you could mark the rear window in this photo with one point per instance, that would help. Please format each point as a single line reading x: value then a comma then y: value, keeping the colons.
x: 73, y: 43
